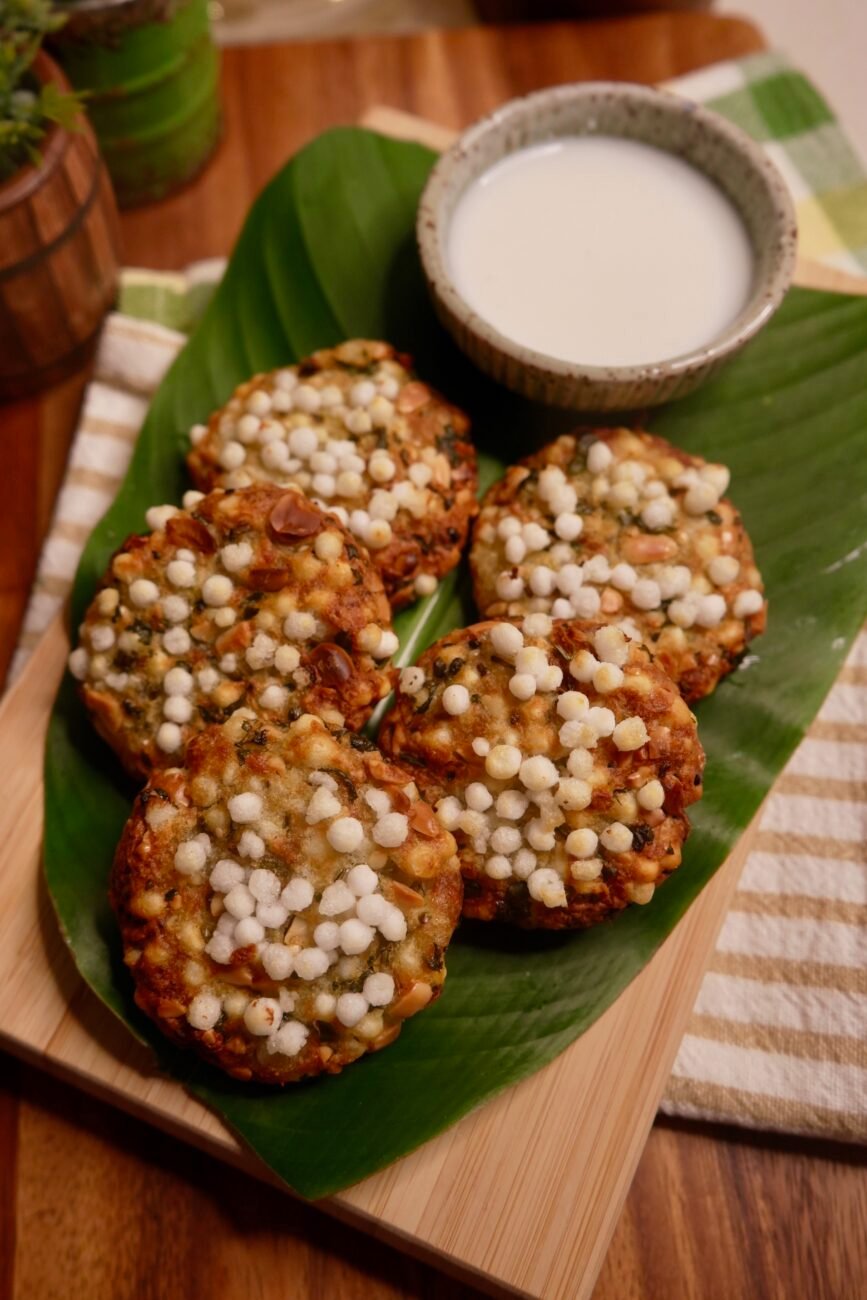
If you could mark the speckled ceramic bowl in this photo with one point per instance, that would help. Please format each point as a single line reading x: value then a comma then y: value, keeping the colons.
x: 702, y: 138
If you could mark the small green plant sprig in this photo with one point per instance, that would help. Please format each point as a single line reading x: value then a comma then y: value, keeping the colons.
x: 27, y: 107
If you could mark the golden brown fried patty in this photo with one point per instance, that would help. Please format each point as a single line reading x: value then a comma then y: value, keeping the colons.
x: 255, y: 597
x: 622, y: 527
x: 561, y: 759
x: 285, y: 898
x: 354, y: 429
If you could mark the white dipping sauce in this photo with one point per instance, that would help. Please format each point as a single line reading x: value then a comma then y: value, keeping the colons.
x: 601, y: 251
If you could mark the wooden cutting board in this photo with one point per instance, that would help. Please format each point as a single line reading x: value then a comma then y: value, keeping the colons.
x: 522, y: 1195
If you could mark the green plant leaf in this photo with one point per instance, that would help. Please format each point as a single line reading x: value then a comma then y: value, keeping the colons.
x: 327, y: 253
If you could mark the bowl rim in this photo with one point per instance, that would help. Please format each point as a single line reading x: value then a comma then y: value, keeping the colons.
x: 768, y: 291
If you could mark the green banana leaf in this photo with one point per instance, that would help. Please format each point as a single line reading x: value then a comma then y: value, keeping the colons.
x: 328, y: 253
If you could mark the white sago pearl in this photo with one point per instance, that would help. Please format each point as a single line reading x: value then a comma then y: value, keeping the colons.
x: 585, y: 602
x: 246, y: 807
x: 391, y: 830
x: 197, y: 433
x: 568, y: 527
x: 542, y: 580
x: 582, y: 843
x: 278, y: 961
x: 158, y: 516
x: 599, y: 457
x: 248, y: 931
x: 175, y: 609
x: 512, y: 804
x: 524, y: 863
x: 579, y: 763
x: 306, y: 398
x: 537, y: 624
x: 297, y: 895
x: 190, y: 857
x: 79, y: 662
x: 748, y: 602
x: 607, y: 677
x: 345, y: 834
x: 372, y: 909
x: 583, y: 666
x: 169, y: 737
x: 327, y: 936
x: 217, y: 589
x: 658, y: 513
x: 651, y: 796
x: 623, y: 577
x: 324, y: 485
x: 264, y: 885
x: 323, y: 804
x: 682, y: 613
x: 379, y: 534
x: 506, y: 639
x: 535, y: 537
x: 362, y: 880
x: 336, y: 898
x: 630, y: 734
x: 601, y: 720
x: 143, y: 592
x: 509, y: 586
x: 481, y: 746
x: 303, y: 442
x: 456, y: 699
x: 616, y: 838
x: 572, y: 705
x: 393, y: 925
x: 711, y: 610
x: 425, y: 584
x: 177, y: 708
x: 225, y: 875
x: 412, y: 680
x: 449, y: 811
x: 546, y: 887
x: 274, y: 697
x: 239, y: 902
x: 386, y: 646
x: 176, y: 640
x: 674, y: 580
x: 723, y: 569
x: 574, y: 794
x: 570, y: 578
x: 522, y: 686
x: 299, y: 625
x: 289, y: 1039
x: 310, y: 963
x: 351, y: 1007
x: 506, y: 839
x: 700, y: 498
x: 503, y: 762
x: 515, y: 550
x: 181, y: 573
x: 478, y: 797
x: 232, y: 455
x: 355, y: 936
x: 378, y: 988
x: 646, y: 594
x: 538, y: 773
x: 586, y: 869
x: 204, y: 1011
x: 498, y: 867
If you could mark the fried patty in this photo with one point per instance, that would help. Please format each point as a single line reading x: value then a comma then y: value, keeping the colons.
x: 620, y: 526
x: 561, y: 759
x: 285, y: 898
x: 360, y: 435
x: 251, y: 598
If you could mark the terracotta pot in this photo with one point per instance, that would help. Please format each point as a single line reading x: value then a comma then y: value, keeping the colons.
x: 58, y: 256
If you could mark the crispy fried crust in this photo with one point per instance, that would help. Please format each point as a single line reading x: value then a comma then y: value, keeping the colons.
x: 696, y: 641
x: 286, y: 560
x: 411, y: 460
x: 171, y: 916
x: 611, y: 781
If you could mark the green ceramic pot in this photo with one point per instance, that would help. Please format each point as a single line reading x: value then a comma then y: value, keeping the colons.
x: 151, y: 73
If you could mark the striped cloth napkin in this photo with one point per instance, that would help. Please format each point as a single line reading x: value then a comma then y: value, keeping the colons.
x: 777, y: 1037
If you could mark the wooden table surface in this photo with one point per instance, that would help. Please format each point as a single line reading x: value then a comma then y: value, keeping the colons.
x: 95, y: 1206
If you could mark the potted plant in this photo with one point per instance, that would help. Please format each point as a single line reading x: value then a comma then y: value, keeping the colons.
x: 150, y: 71
x: 58, y: 223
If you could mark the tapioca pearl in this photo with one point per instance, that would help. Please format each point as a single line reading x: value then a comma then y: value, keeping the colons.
x: 351, y: 1008
x: 181, y: 573
x: 710, y: 611
x: 117, y: 681
x: 220, y: 948
x: 358, y: 421
x: 390, y: 831
x: 289, y: 1039
x: 549, y: 477
x: 248, y: 931
x: 568, y: 527
x: 362, y: 880
x: 473, y: 823
x: 322, y: 805
x: 722, y: 570
x: 322, y: 462
x: 386, y: 646
x: 583, y: 665
x: 349, y: 484
x: 585, y: 603
x: 379, y: 534
x: 616, y: 838
x: 327, y: 936
x: 602, y: 720
x: 585, y: 869
x: 176, y: 641
x: 383, y: 505
x: 456, y: 699
x: 264, y: 885
x: 607, y: 678
x: 303, y: 442
x: 231, y: 455
x: 236, y: 556
x: 538, y: 773
x: 580, y: 763
x: 190, y: 857
x: 537, y: 624
x: 286, y: 659
x: 178, y: 681
x: 412, y: 680
x: 622, y: 496
x: 481, y: 746
x: 278, y: 961
x: 306, y: 398
x: 674, y: 580
x: 719, y: 477
x: 653, y: 488
x: 245, y: 807
x: 381, y: 411
x: 646, y: 594
x: 420, y: 474
x: 259, y: 402
x: 369, y: 638
x: 512, y: 804
x: 207, y: 679
x: 570, y: 578
x: 378, y: 800
x: 177, y: 708
x: 204, y: 1011
x: 506, y: 640
x: 175, y: 608
x: 746, y: 603
x: 597, y: 570
x: 623, y: 577
x: 362, y: 393
x: 247, y: 429
x: 630, y: 734
x: 324, y: 485
x: 425, y: 584
x: 700, y: 498
x: 498, y: 867
x: 523, y: 863
x: 546, y: 887
x: 101, y: 636
x: 372, y: 909
x: 682, y: 613
x: 478, y: 797
x: 143, y: 592
x: 448, y: 811
x: 299, y: 625
x: 574, y: 794
x: 310, y: 963
x: 225, y: 875
x: 550, y: 678
x: 506, y: 839
x: 658, y: 513
x: 261, y: 653
x: 356, y: 937
x: 298, y: 894
x: 217, y: 590
x: 503, y: 762
x: 158, y: 516
x: 378, y: 989
x: 651, y: 796
x: 535, y: 537
x: 532, y: 660
x: 515, y: 550
x: 582, y: 843
x: 508, y: 527
x: 239, y: 902
x: 562, y: 608
x: 577, y: 732
x: 509, y: 586
x: 197, y: 433
x: 572, y: 705
x: 345, y: 834
x: 225, y: 616
x: 562, y: 499
x: 393, y: 925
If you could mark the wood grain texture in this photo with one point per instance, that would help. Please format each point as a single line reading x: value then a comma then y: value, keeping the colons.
x: 129, y: 1212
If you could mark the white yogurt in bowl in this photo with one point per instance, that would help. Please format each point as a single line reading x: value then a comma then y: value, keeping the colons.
x: 604, y: 246
x: 600, y: 250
